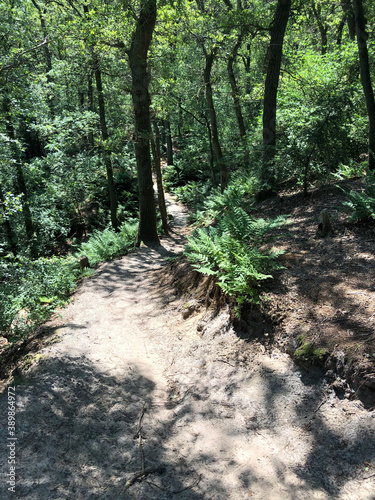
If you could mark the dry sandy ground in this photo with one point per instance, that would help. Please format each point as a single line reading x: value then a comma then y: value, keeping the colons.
x: 127, y: 384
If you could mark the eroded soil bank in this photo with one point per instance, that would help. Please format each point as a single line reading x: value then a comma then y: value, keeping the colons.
x: 129, y: 382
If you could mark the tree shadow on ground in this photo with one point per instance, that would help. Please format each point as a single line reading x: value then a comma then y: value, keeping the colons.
x: 77, y: 437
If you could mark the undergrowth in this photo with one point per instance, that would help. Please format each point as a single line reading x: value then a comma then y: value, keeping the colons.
x: 107, y: 245
x: 361, y: 205
x: 230, y: 248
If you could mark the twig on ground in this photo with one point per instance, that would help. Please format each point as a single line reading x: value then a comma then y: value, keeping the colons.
x: 138, y: 476
x: 321, y: 404
x: 188, y: 487
x: 138, y: 435
x: 139, y: 426
x: 176, y: 492
x: 225, y: 361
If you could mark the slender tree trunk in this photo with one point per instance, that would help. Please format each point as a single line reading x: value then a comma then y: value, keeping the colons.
x: 347, y: 8
x: 90, y: 105
x: 180, y: 119
x: 47, y: 54
x: 106, y: 152
x: 155, y: 145
x: 362, y: 37
x: 212, y: 166
x: 210, y: 57
x: 168, y: 136
x: 235, y: 90
x: 322, y: 28
x: 270, y: 90
x: 29, y: 226
x: 141, y: 103
x: 8, y: 227
x: 340, y: 29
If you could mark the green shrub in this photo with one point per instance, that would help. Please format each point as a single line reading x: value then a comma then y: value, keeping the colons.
x: 352, y: 169
x: 36, y: 286
x: 361, y: 205
x: 106, y: 245
x: 237, y: 194
x: 193, y: 193
x: 230, y: 251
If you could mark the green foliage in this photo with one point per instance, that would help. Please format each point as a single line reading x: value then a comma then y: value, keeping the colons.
x: 36, y: 286
x: 308, y: 351
x: 237, y: 194
x: 361, y: 205
x: 231, y: 252
x: 319, y: 107
x: 193, y: 193
x: 106, y: 245
x: 352, y: 169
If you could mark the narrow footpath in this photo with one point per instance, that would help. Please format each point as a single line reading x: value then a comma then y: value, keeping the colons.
x: 127, y: 400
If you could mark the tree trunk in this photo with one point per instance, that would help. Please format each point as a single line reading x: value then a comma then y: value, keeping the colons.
x: 155, y: 145
x: 90, y: 105
x: 8, y: 227
x: 106, y: 152
x: 141, y: 103
x: 270, y: 91
x: 168, y: 136
x: 322, y: 28
x: 213, y: 120
x: 235, y: 90
x: 29, y: 226
x: 362, y: 36
x: 47, y: 54
x: 347, y: 8
x: 340, y: 29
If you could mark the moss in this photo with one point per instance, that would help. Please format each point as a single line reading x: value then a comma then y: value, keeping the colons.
x: 31, y: 359
x: 307, y: 350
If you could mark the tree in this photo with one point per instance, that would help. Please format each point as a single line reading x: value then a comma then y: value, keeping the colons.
x: 105, y: 137
x: 138, y: 53
x: 362, y: 37
x: 270, y: 90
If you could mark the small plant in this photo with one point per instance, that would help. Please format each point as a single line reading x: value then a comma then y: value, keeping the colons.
x: 106, y: 245
x: 349, y: 171
x: 307, y: 351
x: 230, y: 252
x: 34, y: 287
x: 361, y: 205
x: 193, y: 193
x: 237, y: 194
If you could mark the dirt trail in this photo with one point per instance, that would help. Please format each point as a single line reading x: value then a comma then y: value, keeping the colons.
x: 219, y: 418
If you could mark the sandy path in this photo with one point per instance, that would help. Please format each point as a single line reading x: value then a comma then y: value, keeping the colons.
x: 219, y: 419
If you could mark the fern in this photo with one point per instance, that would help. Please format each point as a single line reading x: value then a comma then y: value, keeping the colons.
x: 106, y: 245
x: 230, y: 252
x: 361, y: 206
x: 235, y: 195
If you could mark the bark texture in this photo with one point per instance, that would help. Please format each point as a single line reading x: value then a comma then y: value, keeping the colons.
x: 210, y: 57
x: 106, y: 152
x: 362, y: 37
x: 141, y: 104
x: 271, y: 85
x: 347, y: 8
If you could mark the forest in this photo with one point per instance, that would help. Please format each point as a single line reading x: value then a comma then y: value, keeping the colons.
x: 224, y: 103
x: 187, y: 230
